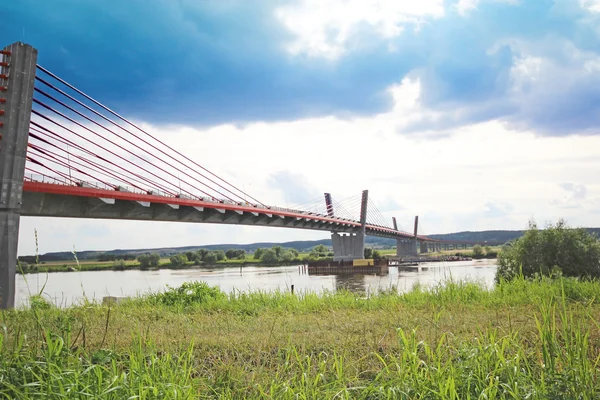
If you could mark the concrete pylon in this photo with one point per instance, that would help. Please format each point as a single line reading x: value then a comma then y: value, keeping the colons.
x: 18, y: 63
x: 351, y: 246
x: 408, y: 246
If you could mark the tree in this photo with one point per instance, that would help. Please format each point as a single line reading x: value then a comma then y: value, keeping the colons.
x: 144, y: 260
x: 191, y: 256
x: 258, y: 253
x: 376, y: 255
x: 230, y: 254
x: 557, y: 249
x: 220, y: 254
x: 210, y: 258
x: 154, y: 260
x: 368, y: 252
x: 178, y: 260
x: 269, y: 256
x: 287, y: 256
x: 235, y: 254
x: 477, y: 251
x: 278, y: 250
x: 201, y: 253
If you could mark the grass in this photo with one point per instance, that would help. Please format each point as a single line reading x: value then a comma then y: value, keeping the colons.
x: 94, y: 265
x: 523, y: 339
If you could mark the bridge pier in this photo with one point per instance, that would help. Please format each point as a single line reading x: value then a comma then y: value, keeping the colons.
x: 351, y: 246
x: 347, y: 247
x: 406, y: 247
x: 16, y: 92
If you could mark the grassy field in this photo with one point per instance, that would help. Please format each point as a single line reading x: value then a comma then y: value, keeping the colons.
x: 94, y: 265
x: 522, y: 340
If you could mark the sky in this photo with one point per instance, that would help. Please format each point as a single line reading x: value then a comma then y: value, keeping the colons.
x: 472, y: 114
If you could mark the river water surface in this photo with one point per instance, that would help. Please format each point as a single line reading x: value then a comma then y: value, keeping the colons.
x: 66, y: 288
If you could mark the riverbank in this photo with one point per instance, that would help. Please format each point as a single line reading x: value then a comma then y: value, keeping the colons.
x: 73, y: 266
x: 521, y: 339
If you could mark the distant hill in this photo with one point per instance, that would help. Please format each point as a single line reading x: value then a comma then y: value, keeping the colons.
x: 300, y: 245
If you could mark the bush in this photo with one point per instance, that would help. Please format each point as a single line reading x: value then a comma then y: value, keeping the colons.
x: 210, y: 258
x: 557, y: 249
x: 119, y: 265
x: 477, y: 251
x: 149, y: 260
x: 178, y: 260
x: 269, y: 256
x: 187, y: 294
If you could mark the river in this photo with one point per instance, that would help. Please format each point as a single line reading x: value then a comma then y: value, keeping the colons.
x: 66, y: 288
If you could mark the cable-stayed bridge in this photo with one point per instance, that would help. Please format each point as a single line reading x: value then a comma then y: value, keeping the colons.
x: 65, y: 154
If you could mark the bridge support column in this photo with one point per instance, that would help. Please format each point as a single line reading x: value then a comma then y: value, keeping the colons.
x: 406, y: 247
x: 16, y: 92
x: 352, y: 246
x: 348, y: 247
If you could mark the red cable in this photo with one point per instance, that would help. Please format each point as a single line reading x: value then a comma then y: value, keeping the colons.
x: 111, y: 142
x: 69, y: 161
x: 104, y: 170
x: 138, y: 128
x: 63, y: 140
x: 131, y: 133
x: 93, y: 143
x: 53, y: 159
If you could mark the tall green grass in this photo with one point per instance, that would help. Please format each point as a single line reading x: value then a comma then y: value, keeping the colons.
x: 521, y: 340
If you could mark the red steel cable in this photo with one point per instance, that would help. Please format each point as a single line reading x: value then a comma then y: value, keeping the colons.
x: 105, y: 170
x: 69, y: 161
x: 96, y: 144
x: 140, y: 129
x: 152, y: 183
x: 131, y: 133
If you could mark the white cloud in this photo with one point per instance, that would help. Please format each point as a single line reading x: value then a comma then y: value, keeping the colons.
x: 592, y: 5
x: 460, y: 180
x: 323, y: 28
x: 464, y: 6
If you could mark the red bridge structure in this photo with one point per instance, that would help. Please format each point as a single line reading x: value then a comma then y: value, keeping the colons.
x: 64, y: 154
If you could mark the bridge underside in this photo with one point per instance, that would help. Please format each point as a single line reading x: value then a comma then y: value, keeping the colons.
x: 54, y: 205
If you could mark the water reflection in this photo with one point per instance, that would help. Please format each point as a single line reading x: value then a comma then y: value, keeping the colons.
x: 65, y: 288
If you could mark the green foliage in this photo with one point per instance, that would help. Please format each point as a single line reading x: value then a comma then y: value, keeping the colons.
x: 557, y: 249
x: 189, y: 293
x: 149, y: 260
x: 319, y: 251
x: 37, y: 302
x: 269, y: 256
x: 235, y: 254
x: 119, y: 265
x: 523, y: 339
x: 210, y: 258
x: 202, y: 253
x: 178, y: 260
x: 219, y: 254
x: 370, y: 253
x: 258, y: 253
x: 477, y: 251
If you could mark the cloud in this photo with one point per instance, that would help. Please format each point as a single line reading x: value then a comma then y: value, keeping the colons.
x: 533, y: 64
x: 296, y: 188
x: 495, y: 210
x: 325, y: 28
x: 578, y: 192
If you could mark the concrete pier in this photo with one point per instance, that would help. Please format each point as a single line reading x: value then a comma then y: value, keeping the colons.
x: 16, y: 92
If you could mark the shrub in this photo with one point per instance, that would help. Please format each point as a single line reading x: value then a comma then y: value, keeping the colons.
x: 178, y: 260
x: 556, y: 249
x: 187, y: 294
x: 119, y: 265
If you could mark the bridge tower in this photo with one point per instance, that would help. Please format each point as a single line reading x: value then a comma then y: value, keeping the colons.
x: 17, y: 74
x: 407, y: 247
x: 350, y: 246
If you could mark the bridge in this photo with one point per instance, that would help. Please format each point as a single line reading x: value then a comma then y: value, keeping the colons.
x: 65, y: 154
